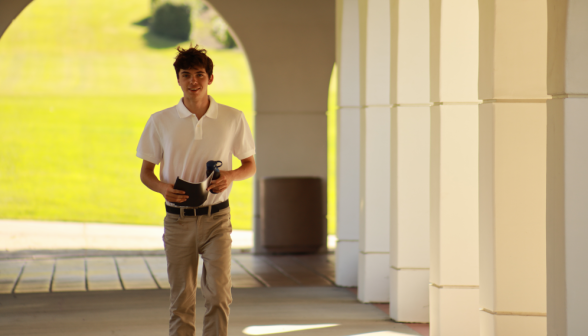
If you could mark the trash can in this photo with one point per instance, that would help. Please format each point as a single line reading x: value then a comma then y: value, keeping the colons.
x: 291, y: 214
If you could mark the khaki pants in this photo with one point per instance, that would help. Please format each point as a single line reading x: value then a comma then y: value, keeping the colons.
x: 185, y: 238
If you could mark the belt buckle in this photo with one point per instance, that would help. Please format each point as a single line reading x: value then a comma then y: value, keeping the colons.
x: 183, y: 209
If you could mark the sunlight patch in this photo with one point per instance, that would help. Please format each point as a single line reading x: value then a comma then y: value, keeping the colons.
x: 383, y: 333
x: 282, y: 328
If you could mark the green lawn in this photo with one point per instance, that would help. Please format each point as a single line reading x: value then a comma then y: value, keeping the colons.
x: 78, y: 81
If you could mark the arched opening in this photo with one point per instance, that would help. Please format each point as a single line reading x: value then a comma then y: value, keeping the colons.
x: 78, y: 82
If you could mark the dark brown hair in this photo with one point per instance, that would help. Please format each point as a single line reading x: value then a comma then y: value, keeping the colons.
x: 192, y: 58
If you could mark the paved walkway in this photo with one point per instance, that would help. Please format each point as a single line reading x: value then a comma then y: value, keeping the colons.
x: 45, y: 235
x: 27, y: 235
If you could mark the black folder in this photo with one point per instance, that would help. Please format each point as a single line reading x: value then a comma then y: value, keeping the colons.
x: 197, y: 193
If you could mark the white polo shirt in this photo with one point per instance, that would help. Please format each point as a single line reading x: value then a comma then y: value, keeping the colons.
x: 182, y: 144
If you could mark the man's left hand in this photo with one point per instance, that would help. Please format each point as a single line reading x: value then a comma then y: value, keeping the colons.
x: 222, y: 183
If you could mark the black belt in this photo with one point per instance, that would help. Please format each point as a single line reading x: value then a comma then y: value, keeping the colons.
x: 199, y: 211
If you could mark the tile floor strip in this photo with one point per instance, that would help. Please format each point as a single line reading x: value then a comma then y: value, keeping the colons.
x: 264, y: 271
x: 102, y: 274
x: 243, y: 279
x: 10, y: 271
x: 122, y: 284
x: 36, y: 276
x: 86, y: 273
x: 70, y: 275
x: 134, y: 273
x: 52, y: 277
x: 319, y: 264
x: 303, y: 275
x: 270, y: 261
x: 158, y: 268
x: 150, y: 272
x: 251, y: 273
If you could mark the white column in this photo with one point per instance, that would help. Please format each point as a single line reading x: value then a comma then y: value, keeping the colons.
x: 410, y: 161
x: 454, y: 278
x: 348, y: 143
x: 567, y: 179
x: 375, y: 151
x: 512, y: 167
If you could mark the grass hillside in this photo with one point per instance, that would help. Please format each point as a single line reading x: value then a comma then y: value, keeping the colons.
x: 78, y: 81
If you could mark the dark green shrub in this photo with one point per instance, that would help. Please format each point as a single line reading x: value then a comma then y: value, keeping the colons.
x: 230, y: 42
x: 172, y: 21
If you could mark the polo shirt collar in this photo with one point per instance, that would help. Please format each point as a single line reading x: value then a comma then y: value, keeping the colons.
x: 212, y: 111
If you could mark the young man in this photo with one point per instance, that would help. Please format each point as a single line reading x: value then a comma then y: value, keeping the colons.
x: 182, y: 139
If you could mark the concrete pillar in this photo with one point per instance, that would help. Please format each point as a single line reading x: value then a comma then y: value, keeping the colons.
x: 512, y: 173
x: 454, y: 278
x: 567, y: 182
x: 348, y: 143
x: 290, y: 46
x: 410, y: 161
x: 374, y: 150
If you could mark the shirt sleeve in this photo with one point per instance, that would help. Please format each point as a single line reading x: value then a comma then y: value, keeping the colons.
x: 243, y: 144
x: 150, y: 148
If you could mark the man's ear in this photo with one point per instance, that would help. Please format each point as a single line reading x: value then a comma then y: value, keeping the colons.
x: 211, y: 79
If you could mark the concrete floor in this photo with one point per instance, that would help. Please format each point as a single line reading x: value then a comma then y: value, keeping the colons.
x: 56, y: 258
x: 145, y: 313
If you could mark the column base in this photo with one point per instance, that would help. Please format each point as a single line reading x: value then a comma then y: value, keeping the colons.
x: 346, y: 263
x: 454, y: 311
x: 505, y: 325
x: 409, y: 295
x: 373, y: 280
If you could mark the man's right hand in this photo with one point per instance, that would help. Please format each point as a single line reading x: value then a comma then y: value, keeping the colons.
x: 152, y: 182
x: 173, y: 195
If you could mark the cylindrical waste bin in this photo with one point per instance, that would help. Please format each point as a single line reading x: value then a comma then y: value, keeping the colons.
x: 291, y: 214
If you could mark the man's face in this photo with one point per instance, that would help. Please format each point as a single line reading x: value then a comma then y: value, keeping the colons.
x: 194, y: 82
